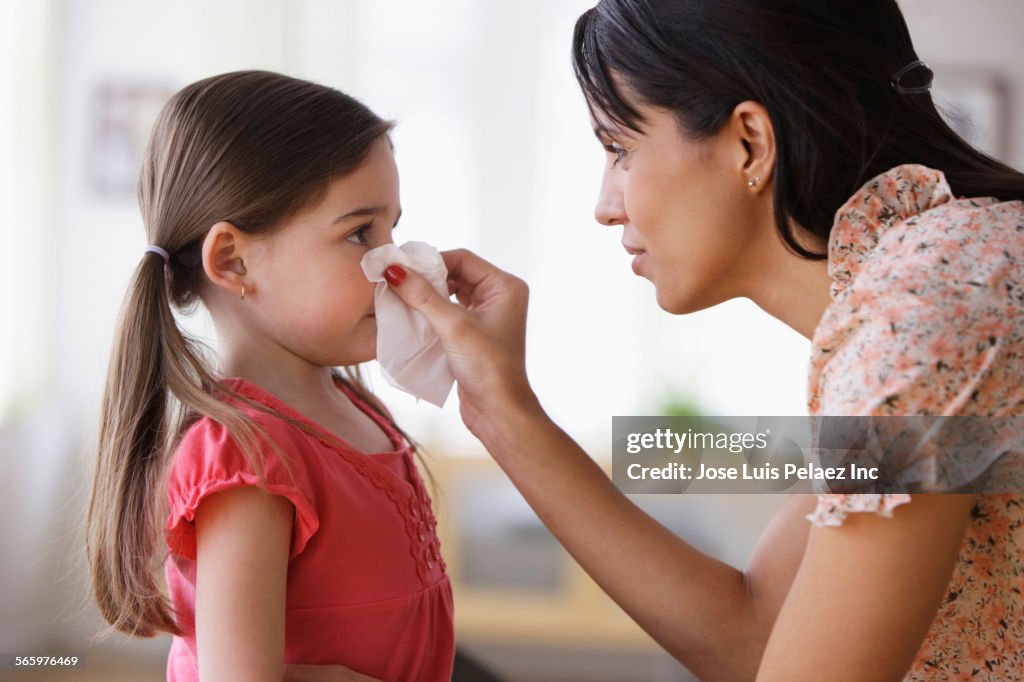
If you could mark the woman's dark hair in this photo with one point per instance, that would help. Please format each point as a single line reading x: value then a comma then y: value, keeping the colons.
x: 821, y: 68
x: 252, y: 148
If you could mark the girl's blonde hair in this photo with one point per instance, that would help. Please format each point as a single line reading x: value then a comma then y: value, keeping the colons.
x: 251, y: 148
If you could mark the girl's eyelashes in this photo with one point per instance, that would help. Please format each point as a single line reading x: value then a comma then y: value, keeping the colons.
x: 359, y: 235
x: 362, y: 234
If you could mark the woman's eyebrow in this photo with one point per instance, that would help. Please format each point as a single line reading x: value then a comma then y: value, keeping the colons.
x: 602, y: 130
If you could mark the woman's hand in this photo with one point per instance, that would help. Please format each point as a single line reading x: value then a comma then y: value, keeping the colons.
x: 294, y: 672
x: 484, y: 337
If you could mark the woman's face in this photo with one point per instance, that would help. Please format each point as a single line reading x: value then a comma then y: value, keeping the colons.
x: 689, y: 217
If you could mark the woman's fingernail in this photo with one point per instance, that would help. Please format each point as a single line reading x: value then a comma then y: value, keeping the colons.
x: 395, y: 274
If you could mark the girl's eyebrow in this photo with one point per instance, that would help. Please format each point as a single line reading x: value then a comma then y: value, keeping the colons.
x: 360, y: 212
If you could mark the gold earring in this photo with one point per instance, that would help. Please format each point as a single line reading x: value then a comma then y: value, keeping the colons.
x: 753, y: 182
x: 242, y: 297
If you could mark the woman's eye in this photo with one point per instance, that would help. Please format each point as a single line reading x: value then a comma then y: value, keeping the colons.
x: 360, y: 236
x: 615, y: 149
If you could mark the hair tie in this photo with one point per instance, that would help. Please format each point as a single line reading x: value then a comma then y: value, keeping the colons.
x: 900, y: 87
x: 160, y: 252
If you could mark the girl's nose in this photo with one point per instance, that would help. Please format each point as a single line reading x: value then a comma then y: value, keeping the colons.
x: 610, y: 209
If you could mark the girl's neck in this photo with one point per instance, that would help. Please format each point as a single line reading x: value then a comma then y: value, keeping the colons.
x: 294, y: 381
x: 311, y: 391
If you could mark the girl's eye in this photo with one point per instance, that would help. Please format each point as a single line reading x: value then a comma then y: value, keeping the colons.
x: 360, y: 235
x: 615, y: 149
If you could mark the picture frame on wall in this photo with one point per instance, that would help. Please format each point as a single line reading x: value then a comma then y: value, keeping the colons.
x: 123, y: 111
x: 976, y: 103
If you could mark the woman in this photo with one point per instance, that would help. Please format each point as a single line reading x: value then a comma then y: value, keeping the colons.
x: 788, y: 152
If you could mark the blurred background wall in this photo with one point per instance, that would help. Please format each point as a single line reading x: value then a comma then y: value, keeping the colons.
x: 495, y: 154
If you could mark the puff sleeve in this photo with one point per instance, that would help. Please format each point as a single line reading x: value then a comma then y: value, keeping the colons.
x: 918, y: 333
x: 209, y: 460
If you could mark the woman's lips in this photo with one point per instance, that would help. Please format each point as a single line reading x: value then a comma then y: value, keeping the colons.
x: 638, y: 256
x: 638, y: 261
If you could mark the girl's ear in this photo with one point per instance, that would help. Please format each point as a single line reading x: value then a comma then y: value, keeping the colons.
x: 223, y: 256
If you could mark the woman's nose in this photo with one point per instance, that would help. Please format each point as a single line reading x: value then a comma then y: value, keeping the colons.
x: 610, y: 209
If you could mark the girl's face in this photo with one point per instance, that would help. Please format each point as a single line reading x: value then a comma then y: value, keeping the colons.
x: 310, y: 295
x: 689, y: 217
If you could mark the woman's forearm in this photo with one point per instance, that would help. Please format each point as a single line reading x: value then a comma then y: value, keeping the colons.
x: 698, y: 608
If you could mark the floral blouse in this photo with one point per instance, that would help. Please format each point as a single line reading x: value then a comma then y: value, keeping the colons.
x: 927, y: 318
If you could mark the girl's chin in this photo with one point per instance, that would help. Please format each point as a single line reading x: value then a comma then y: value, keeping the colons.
x: 358, y: 354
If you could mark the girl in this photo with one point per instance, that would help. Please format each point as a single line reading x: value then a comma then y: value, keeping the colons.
x: 297, y: 526
x: 787, y: 151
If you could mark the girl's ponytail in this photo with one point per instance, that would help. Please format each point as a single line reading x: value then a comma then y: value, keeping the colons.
x: 122, y: 519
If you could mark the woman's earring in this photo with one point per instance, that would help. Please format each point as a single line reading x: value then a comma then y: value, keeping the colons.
x: 242, y: 297
x: 753, y: 182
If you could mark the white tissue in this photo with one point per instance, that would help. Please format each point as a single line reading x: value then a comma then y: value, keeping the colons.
x: 408, y: 349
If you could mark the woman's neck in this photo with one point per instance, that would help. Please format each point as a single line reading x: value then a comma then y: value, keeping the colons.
x: 793, y: 289
x: 798, y: 295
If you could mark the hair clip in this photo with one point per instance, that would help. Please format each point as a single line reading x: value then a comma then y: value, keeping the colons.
x: 900, y: 87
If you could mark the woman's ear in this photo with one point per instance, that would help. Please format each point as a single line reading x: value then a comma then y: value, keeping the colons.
x: 753, y: 128
x: 224, y: 257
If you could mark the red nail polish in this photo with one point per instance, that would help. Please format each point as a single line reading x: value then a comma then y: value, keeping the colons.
x: 395, y: 274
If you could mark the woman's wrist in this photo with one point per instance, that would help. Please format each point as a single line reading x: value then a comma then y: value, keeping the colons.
x: 511, y: 421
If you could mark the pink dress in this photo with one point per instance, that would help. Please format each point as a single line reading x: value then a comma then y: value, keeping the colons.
x: 926, y: 319
x: 367, y: 586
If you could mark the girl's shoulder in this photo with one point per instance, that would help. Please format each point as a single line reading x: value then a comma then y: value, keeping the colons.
x: 210, y: 458
x: 275, y: 450
x: 273, y: 430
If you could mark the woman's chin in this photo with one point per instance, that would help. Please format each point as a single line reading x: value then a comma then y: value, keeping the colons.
x: 679, y: 303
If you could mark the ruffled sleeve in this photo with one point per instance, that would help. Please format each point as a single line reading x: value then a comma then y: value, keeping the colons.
x: 832, y: 509
x: 904, y: 357
x: 209, y: 460
x: 921, y: 330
